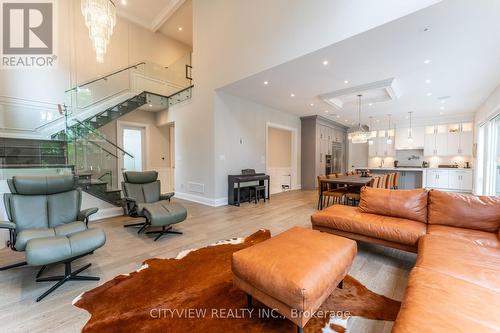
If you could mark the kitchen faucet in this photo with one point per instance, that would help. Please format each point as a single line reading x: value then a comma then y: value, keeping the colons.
x: 381, y: 162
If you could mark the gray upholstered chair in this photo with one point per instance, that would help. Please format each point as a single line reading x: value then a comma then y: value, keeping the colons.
x: 46, y: 222
x: 143, y: 198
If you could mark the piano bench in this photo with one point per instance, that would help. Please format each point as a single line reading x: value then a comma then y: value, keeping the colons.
x: 257, y: 190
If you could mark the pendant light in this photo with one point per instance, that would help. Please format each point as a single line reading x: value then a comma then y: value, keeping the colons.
x: 360, y: 135
x: 370, y: 141
x: 410, y: 131
x: 389, y: 140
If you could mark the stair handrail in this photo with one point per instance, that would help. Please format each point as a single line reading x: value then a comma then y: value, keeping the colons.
x: 101, y: 147
x: 102, y: 137
x: 106, y: 76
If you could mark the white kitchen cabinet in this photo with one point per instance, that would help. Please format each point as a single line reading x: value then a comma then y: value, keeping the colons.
x: 450, y: 180
x: 373, y: 148
x: 437, y: 179
x: 460, y: 180
x: 466, y: 142
x: 435, y: 144
x: 459, y: 143
x: 401, y: 139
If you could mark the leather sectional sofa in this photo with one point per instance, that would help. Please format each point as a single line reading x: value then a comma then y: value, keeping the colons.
x: 455, y: 284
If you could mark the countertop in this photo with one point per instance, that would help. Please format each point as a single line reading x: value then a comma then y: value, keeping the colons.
x: 418, y: 169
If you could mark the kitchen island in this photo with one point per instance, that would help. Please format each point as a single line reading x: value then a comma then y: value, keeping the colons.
x: 409, y: 177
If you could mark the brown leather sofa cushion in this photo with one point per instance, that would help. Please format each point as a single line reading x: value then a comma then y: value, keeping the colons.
x: 436, y: 302
x: 477, y: 237
x: 300, y: 267
x: 464, y: 260
x: 353, y: 220
x: 464, y: 211
x: 406, y: 204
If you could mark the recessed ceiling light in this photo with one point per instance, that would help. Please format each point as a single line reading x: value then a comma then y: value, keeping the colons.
x: 124, y: 2
x: 346, y: 120
x: 429, y: 94
x: 346, y: 82
x: 427, y: 61
x: 179, y: 28
x: 312, y: 104
x: 427, y: 81
x: 266, y: 82
x: 370, y: 104
x: 326, y: 111
x: 325, y: 62
x: 292, y: 95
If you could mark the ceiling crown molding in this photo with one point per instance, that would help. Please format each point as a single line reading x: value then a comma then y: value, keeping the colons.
x: 163, y: 15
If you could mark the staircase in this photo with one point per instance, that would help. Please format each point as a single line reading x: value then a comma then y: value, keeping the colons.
x: 94, y: 156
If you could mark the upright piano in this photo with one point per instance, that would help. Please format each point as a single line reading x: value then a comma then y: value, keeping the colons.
x: 238, y: 185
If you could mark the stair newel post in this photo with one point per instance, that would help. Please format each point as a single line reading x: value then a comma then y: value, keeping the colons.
x: 63, y: 110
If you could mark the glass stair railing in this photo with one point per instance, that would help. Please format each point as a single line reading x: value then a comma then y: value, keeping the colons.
x: 92, y: 105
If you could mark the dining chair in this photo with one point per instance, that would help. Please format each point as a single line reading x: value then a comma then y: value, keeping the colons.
x: 390, y: 181
x: 396, y: 181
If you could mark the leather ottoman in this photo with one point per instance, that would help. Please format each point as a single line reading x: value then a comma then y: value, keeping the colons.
x: 294, y: 272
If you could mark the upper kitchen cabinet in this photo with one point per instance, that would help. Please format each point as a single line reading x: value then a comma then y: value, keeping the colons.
x: 436, y: 140
x: 418, y: 138
x: 460, y: 140
x: 378, y: 146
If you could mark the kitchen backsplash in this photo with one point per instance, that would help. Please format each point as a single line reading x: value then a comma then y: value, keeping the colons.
x: 414, y: 157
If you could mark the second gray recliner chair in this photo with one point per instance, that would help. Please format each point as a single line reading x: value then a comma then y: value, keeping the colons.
x: 143, y: 198
x: 46, y: 222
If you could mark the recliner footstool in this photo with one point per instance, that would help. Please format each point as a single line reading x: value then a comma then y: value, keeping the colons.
x: 294, y: 272
x: 144, y: 199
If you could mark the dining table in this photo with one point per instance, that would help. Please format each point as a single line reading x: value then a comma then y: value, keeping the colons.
x: 354, y: 181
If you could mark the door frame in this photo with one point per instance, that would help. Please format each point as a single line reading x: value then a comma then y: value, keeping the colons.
x: 294, y: 172
x: 120, y: 124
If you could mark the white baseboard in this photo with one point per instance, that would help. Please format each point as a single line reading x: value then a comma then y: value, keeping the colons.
x: 201, y: 200
x: 297, y: 187
x: 104, y: 213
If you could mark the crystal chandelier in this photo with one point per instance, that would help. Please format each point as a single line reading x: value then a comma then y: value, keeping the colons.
x: 100, y: 19
x: 360, y: 135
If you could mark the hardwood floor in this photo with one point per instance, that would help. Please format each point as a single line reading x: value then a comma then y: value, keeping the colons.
x: 382, y: 270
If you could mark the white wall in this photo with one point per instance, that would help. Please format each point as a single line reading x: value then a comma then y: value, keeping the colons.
x: 489, y: 108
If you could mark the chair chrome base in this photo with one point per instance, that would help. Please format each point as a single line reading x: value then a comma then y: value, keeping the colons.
x: 68, y: 276
x: 164, y: 230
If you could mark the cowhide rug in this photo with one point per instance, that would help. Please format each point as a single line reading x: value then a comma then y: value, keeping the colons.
x: 194, y: 293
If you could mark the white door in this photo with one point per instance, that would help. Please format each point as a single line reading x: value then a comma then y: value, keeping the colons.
x: 133, y: 140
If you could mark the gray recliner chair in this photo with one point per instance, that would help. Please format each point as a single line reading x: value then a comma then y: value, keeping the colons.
x: 143, y: 198
x: 46, y: 222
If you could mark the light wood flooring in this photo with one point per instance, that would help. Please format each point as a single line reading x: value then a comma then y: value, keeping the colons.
x: 382, y: 270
